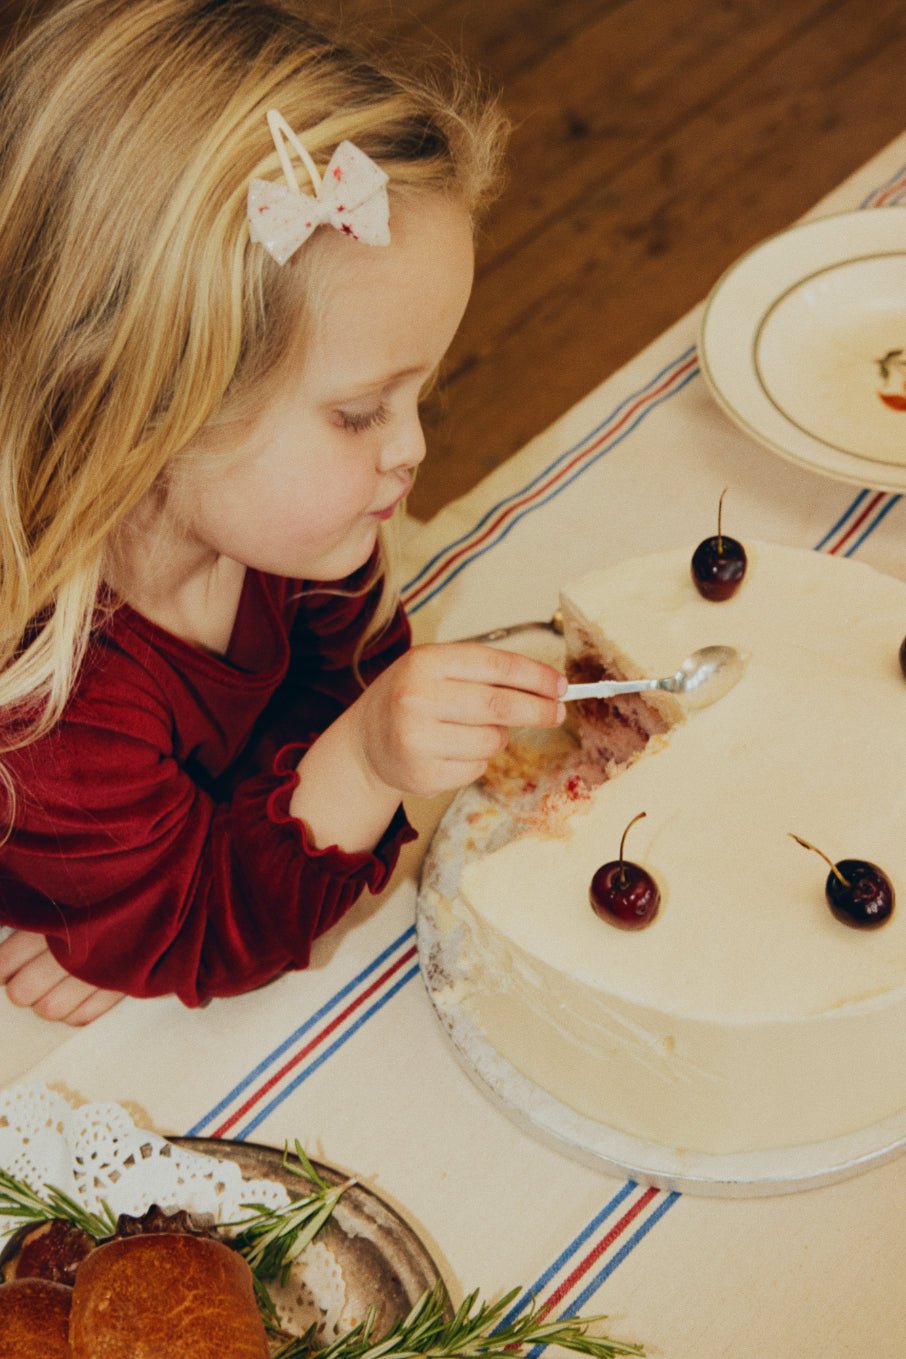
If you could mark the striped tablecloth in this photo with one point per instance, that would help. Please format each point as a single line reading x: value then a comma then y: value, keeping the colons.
x: 348, y: 1056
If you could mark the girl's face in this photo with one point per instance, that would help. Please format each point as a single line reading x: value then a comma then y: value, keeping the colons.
x: 335, y: 450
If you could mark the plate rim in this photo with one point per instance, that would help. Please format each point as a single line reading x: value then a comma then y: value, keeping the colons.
x: 840, y: 464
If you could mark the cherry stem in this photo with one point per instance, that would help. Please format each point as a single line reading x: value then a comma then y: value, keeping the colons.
x: 622, y: 846
x: 815, y: 850
x: 720, y: 508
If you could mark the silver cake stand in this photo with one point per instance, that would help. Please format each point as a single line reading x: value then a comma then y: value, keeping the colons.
x: 474, y: 824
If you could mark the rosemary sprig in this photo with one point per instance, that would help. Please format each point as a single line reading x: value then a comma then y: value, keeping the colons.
x: 274, y: 1237
x: 475, y: 1332
x: 18, y: 1200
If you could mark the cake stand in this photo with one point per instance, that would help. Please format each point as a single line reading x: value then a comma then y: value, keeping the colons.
x: 476, y: 823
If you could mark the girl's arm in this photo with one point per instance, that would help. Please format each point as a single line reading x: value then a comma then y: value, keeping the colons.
x: 168, y: 840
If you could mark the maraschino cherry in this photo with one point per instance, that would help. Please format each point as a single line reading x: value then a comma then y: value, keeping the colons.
x: 858, y: 892
x: 624, y: 893
x: 718, y: 563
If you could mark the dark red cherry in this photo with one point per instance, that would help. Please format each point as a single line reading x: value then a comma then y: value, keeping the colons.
x: 858, y: 892
x: 624, y: 893
x: 903, y: 656
x: 718, y: 563
x: 718, y: 566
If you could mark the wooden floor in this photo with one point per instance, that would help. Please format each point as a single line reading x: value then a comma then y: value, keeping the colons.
x: 655, y: 140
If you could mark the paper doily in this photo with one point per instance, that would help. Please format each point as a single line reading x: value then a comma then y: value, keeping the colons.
x: 97, y: 1155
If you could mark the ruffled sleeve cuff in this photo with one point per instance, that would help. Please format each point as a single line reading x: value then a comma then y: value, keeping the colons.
x: 371, y: 869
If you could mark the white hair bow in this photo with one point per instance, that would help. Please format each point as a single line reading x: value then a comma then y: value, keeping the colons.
x: 352, y: 197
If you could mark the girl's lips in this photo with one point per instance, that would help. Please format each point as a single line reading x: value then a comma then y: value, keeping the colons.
x: 389, y: 509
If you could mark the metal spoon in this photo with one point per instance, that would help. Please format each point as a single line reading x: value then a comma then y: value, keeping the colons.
x: 552, y: 624
x: 703, y: 677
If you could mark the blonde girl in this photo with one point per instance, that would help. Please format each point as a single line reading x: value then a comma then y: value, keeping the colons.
x: 208, y: 704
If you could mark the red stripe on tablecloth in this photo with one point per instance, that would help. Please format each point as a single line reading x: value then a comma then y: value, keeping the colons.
x: 597, y: 1251
x: 563, y: 471
x: 319, y: 1037
x: 890, y: 192
x: 860, y: 519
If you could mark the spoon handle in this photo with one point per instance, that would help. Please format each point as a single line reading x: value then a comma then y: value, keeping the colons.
x: 608, y: 688
x: 552, y: 624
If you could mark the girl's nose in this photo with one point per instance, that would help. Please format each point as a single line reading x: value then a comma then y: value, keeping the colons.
x: 405, y: 448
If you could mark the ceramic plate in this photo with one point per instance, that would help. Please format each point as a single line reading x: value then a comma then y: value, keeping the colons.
x: 803, y: 343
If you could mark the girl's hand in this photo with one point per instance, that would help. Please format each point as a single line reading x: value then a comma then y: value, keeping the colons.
x: 34, y: 978
x: 435, y: 717
x: 428, y: 724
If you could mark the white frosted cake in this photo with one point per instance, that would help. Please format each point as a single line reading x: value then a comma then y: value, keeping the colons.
x: 745, y: 1016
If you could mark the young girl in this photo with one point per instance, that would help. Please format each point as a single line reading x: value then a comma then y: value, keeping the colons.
x: 208, y: 419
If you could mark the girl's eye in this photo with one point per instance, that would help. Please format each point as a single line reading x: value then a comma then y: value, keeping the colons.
x: 356, y: 422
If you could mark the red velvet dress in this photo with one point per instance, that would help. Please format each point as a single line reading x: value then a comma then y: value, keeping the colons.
x: 153, y: 845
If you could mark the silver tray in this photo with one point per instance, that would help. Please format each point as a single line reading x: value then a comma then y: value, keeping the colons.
x: 383, y: 1262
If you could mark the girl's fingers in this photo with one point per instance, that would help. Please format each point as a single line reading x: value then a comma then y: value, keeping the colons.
x: 506, y: 669
x: 16, y: 950
x: 458, y: 741
x: 35, y: 979
x: 76, y: 1002
x: 478, y: 685
x: 493, y: 705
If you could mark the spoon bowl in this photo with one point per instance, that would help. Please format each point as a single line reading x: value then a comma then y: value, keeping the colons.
x: 703, y: 678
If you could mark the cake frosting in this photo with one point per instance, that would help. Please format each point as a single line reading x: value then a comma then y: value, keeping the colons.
x: 745, y: 1017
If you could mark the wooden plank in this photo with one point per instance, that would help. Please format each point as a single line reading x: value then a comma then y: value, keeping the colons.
x: 502, y: 36
x: 622, y: 85
x: 572, y: 302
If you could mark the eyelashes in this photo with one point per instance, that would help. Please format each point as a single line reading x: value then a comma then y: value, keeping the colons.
x: 355, y: 423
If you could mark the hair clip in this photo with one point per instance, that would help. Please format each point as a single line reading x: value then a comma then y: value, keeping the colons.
x: 352, y: 197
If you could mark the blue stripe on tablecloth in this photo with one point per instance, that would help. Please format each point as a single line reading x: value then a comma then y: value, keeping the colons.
x: 896, y: 184
x: 865, y: 512
x: 661, y: 1206
x: 318, y: 1015
x: 319, y: 1061
x: 882, y: 514
x: 578, y: 1300
x: 567, y: 1253
x: 602, y: 1245
x: 842, y: 521
x: 546, y: 471
x: 536, y: 494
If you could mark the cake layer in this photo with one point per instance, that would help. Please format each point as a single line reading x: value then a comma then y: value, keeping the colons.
x: 746, y: 1016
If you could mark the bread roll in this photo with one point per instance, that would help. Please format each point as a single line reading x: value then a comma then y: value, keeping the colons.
x: 165, y: 1297
x: 34, y: 1319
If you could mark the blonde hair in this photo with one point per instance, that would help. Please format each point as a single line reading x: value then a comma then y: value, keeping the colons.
x: 133, y: 305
